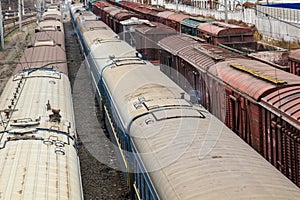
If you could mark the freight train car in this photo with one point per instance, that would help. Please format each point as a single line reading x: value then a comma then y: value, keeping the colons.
x: 255, y: 96
x: 164, y: 141
x: 212, y: 32
x: 294, y: 62
x: 147, y: 36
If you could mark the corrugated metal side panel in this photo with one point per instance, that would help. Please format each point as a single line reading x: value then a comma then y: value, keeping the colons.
x: 285, y: 101
x: 248, y: 84
x: 176, y: 43
x: 196, y: 58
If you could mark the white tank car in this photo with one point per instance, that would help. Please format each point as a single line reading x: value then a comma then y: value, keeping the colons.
x: 183, y: 151
x: 38, y: 149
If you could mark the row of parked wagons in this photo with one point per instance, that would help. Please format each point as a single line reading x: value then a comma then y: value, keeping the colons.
x: 254, y: 98
x: 38, y: 143
x: 233, y: 36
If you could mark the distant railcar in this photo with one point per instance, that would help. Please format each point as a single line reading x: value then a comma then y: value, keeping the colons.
x: 219, y: 32
x: 147, y: 36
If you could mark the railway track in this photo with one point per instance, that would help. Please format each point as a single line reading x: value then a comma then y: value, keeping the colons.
x: 11, y: 25
x: 99, y: 180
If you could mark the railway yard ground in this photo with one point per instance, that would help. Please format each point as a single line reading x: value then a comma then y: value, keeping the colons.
x: 100, y: 181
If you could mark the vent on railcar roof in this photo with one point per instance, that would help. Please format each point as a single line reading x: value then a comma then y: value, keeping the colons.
x: 177, y: 113
x: 107, y: 40
x: 128, y: 61
x: 94, y: 28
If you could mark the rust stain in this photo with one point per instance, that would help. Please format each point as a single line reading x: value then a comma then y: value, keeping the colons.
x: 147, y: 89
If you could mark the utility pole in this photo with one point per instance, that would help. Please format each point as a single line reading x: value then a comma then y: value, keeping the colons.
x: 38, y: 6
x: 1, y: 28
x: 23, y: 7
x: 176, y: 5
x: 20, y: 15
x: 226, y: 11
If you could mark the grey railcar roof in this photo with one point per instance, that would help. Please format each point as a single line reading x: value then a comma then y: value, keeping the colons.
x: 38, y: 158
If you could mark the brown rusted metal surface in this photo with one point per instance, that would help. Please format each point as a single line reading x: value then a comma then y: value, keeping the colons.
x: 295, y: 55
x: 129, y: 4
x: 248, y: 84
x: 101, y: 4
x: 162, y: 17
x: 116, y: 11
x: 294, y: 62
x: 196, y: 56
x: 154, y: 28
x: 125, y: 15
x: 285, y: 101
x: 220, y: 28
x: 110, y: 9
x: 43, y: 57
x: 218, y: 32
x: 142, y: 9
x: 176, y: 43
x: 178, y: 17
x: 147, y: 37
x: 165, y: 14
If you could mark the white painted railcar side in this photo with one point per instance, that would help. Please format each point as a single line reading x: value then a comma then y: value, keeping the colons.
x: 38, y: 150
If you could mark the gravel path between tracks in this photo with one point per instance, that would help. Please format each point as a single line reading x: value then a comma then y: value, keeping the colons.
x: 97, y: 157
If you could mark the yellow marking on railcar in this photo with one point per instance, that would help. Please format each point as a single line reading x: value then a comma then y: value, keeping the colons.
x: 137, y: 192
x: 115, y: 134
x: 96, y: 85
x: 257, y: 74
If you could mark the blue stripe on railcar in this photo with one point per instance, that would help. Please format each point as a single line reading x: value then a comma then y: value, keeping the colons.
x: 143, y: 188
x: 139, y: 182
